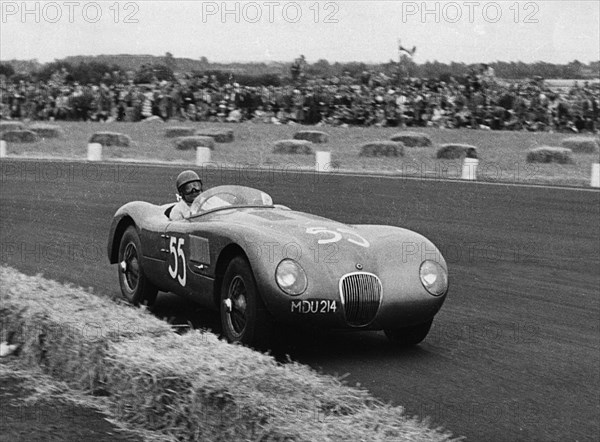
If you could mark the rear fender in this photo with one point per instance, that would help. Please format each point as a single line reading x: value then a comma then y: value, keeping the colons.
x: 117, y: 229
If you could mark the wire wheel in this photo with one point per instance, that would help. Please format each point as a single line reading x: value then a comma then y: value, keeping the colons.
x: 244, y: 318
x: 135, y: 286
x: 130, y: 267
x: 236, y: 316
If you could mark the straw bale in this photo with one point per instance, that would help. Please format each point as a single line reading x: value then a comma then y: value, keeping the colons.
x: 174, y: 132
x: 219, y: 135
x: 382, y: 149
x: 581, y: 144
x: 11, y: 125
x: 314, y: 136
x: 301, y: 147
x: 47, y: 130
x: 550, y: 154
x: 413, y: 139
x: 19, y: 136
x: 193, y: 142
x: 456, y: 151
x: 111, y: 139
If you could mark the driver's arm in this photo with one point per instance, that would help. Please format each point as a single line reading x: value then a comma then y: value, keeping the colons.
x: 180, y: 211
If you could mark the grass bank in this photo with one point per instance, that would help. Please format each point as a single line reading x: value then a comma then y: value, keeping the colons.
x: 187, y: 387
x: 502, y: 153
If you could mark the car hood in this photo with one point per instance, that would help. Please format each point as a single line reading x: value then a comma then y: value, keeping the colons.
x: 322, y: 244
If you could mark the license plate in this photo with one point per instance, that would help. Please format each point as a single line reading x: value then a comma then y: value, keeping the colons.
x: 314, y: 306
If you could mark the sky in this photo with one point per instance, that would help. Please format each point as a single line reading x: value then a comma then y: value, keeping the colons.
x: 365, y: 31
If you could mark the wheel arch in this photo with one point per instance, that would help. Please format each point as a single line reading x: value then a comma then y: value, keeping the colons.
x: 227, y: 254
x: 122, y: 225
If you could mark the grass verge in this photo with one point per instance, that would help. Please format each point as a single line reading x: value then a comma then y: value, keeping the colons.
x: 186, y: 387
x: 502, y: 154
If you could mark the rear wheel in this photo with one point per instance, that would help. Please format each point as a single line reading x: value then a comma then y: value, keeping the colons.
x: 408, y: 336
x: 244, y: 317
x: 135, y: 287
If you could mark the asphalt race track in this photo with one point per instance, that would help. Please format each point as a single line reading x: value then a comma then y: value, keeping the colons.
x: 513, y: 355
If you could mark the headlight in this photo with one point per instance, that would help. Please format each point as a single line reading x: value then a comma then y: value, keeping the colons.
x: 433, y: 277
x: 290, y: 277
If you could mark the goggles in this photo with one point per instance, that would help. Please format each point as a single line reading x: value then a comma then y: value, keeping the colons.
x: 192, y: 188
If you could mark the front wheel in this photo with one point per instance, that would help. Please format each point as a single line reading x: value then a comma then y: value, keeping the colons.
x: 408, y: 336
x: 244, y: 317
x: 135, y: 287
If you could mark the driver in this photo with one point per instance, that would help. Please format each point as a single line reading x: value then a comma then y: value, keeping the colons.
x: 189, y: 186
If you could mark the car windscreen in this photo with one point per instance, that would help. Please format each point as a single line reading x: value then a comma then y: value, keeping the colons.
x: 221, y: 197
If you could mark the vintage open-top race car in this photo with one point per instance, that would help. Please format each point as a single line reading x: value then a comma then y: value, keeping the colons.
x: 260, y: 264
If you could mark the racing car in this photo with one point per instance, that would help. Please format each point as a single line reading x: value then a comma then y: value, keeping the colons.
x: 260, y: 264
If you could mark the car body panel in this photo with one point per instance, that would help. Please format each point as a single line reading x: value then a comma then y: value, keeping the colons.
x: 183, y: 257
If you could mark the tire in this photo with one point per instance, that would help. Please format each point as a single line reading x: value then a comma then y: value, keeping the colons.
x: 244, y: 318
x: 408, y: 336
x: 135, y: 287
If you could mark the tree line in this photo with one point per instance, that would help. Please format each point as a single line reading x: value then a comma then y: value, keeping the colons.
x: 146, y: 68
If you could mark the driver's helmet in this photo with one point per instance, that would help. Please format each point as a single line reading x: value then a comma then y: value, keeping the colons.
x: 185, y: 177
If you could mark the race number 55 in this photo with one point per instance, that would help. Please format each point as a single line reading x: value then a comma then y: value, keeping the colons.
x: 332, y: 236
x: 176, y: 249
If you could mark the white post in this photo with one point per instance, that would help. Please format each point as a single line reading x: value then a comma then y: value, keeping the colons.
x: 94, y: 152
x: 2, y: 148
x: 595, y: 175
x: 322, y: 161
x: 202, y: 155
x: 469, y: 169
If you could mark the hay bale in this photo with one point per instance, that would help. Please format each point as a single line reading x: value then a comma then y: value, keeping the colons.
x: 581, y: 144
x: 193, y: 142
x: 184, y: 385
x: 313, y: 136
x: 456, y: 151
x: 382, y: 149
x: 219, y: 135
x: 66, y: 330
x: 19, y: 136
x: 179, y: 131
x: 111, y: 139
x: 302, y: 147
x: 549, y: 154
x: 413, y: 139
x: 152, y: 119
x: 11, y: 125
x: 47, y: 130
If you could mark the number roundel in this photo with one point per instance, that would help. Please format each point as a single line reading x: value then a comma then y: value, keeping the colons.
x: 176, y: 249
x: 333, y: 236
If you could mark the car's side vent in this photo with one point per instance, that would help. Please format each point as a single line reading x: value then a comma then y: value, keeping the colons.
x: 361, y: 296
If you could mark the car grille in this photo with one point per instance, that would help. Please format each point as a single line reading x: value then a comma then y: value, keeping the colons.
x: 361, y: 296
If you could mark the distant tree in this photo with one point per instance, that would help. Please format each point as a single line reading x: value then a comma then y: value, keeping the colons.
x: 321, y: 68
x: 45, y: 73
x: 22, y: 76
x: 170, y: 62
x: 93, y: 72
x: 572, y: 70
x: 446, y: 77
x: 7, y: 70
x: 148, y: 73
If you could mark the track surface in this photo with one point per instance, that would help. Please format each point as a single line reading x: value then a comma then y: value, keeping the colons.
x: 514, y: 353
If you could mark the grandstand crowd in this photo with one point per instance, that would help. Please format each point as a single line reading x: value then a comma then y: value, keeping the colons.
x: 478, y: 100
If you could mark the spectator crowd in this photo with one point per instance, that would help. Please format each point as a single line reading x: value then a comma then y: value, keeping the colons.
x: 478, y: 100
